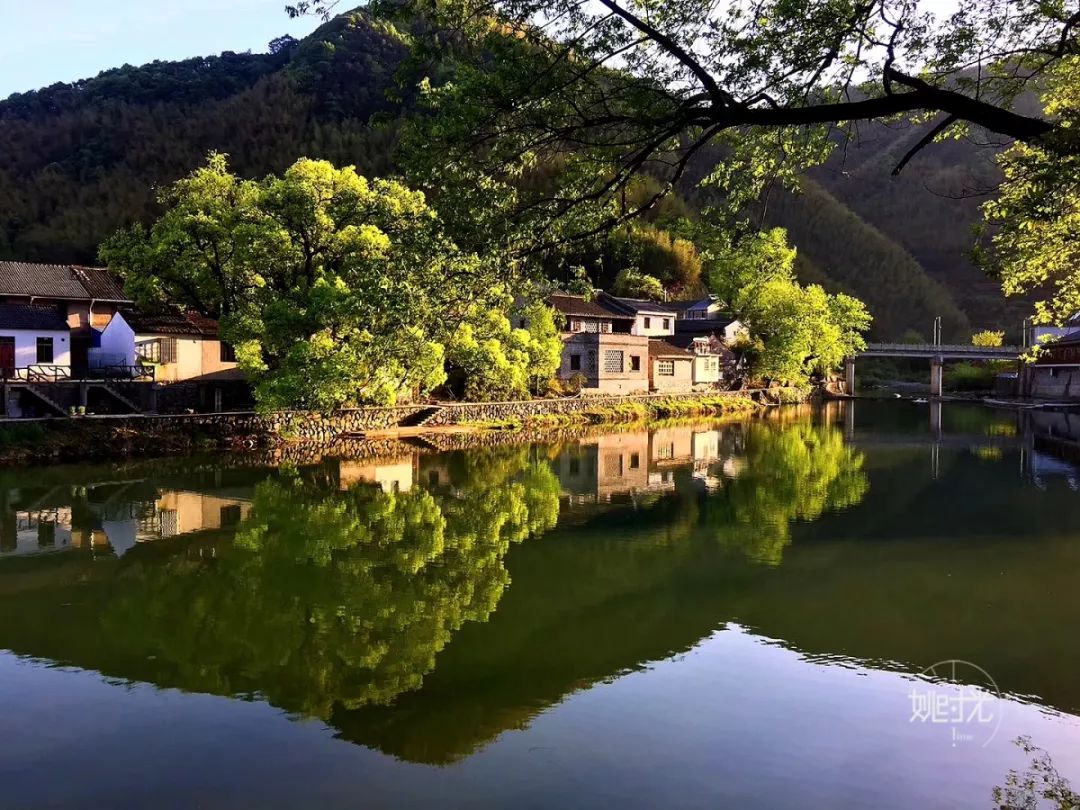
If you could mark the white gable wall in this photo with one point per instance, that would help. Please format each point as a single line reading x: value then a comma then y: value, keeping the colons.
x: 117, y: 345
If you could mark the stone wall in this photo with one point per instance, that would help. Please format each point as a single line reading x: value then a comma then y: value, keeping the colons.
x: 1055, y: 382
x: 466, y: 412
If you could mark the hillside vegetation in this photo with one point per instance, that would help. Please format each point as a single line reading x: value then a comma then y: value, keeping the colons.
x: 80, y: 160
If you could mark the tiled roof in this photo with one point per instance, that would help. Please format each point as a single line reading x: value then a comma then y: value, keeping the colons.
x: 703, y: 326
x: 577, y: 305
x: 26, y: 316
x: 172, y: 323
x: 635, y: 305
x: 62, y: 281
x: 661, y: 348
x: 100, y: 283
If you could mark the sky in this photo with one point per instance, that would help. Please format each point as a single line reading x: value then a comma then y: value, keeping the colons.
x: 47, y: 41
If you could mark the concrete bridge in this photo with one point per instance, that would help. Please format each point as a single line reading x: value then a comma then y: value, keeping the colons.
x: 938, y: 354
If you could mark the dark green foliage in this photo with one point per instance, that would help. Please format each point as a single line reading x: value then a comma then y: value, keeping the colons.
x: 80, y: 160
x: 845, y: 253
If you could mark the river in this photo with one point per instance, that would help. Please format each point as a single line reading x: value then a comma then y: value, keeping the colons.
x: 872, y: 604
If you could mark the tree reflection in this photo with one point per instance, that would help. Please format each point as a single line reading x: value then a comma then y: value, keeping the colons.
x: 794, y: 472
x: 1039, y: 786
x: 330, y: 598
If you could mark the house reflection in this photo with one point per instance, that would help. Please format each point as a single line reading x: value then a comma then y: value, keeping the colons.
x: 109, y: 517
x: 622, y: 465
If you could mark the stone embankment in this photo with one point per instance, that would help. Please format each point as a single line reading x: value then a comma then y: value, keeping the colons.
x: 102, y: 437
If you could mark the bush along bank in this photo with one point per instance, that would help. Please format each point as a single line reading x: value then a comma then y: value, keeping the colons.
x: 629, y: 412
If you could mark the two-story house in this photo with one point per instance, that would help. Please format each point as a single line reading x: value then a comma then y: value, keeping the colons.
x: 86, y: 298
x: 599, y: 344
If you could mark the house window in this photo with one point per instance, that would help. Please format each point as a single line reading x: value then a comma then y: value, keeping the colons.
x: 228, y: 353
x: 648, y: 322
x: 635, y: 362
x: 575, y: 362
x: 230, y: 515
x: 665, y: 368
x: 575, y: 467
x: 592, y: 326
x: 665, y: 451
x: 635, y: 461
x: 590, y: 364
x: 157, y: 351
x: 44, y: 349
x: 605, y: 327
x: 613, y: 361
x: 575, y: 326
x: 667, y: 323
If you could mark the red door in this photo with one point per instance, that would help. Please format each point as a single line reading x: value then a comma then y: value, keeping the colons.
x: 7, y: 357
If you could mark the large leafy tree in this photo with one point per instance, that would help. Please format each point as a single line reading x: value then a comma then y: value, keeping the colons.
x: 795, y: 330
x: 1036, y: 244
x: 615, y: 89
x: 334, y: 289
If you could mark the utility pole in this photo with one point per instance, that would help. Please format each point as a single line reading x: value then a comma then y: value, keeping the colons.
x: 937, y: 331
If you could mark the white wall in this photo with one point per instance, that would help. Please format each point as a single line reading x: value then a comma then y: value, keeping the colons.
x: 656, y: 324
x: 26, y: 346
x: 117, y: 345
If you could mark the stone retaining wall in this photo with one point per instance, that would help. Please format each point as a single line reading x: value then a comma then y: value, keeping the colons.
x: 459, y: 413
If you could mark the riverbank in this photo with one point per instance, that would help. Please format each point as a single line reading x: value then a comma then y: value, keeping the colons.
x: 104, y: 438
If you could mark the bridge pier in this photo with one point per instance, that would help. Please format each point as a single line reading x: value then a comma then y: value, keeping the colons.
x: 849, y: 376
x: 937, y: 377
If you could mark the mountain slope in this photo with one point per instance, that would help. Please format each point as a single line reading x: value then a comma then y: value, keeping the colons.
x: 79, y: 160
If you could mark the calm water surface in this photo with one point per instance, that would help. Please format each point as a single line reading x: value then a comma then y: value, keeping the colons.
x: 739, y: 615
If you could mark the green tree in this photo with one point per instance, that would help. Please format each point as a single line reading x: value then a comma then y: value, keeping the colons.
x: 1036, y: 246
x: 334, y: 289
x: 633, y: 284
x: 488, y: 359
x: 795, y: 331
x: 613, y: 90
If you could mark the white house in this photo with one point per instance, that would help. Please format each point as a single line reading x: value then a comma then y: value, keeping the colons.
x: 651, y: 319
x: 34, y: 340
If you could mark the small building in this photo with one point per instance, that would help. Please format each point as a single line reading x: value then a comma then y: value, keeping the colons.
x: 727, y: 329
x: 182, y: 346
x: 651, y: 318
x: 1056, y: 373
x: 671, y: 369
x: 698, y: 309
x: 35, y: 342
x: 88, y: 298
x: 714, y: 362
x: 599, y: 347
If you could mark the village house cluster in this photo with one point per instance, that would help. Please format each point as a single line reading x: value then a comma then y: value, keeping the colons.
x: 615, y: 345
x: 69, y: 334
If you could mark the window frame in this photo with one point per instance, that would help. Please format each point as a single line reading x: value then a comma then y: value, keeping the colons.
x: 661, y: 365
x: 45, y: 342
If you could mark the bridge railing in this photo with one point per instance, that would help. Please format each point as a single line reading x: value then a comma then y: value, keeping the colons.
x: 943, y: 348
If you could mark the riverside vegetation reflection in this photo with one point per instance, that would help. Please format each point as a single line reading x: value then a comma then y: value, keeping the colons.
x: 326, y: 595
x: 423, y: 604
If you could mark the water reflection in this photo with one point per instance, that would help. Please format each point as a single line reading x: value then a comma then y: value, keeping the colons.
x: 396, y: 598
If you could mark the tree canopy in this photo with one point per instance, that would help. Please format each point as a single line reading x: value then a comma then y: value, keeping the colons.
x: 613, y: 90
x: 334, y: 289
x: 795, y: 330
x: 1036, y: 246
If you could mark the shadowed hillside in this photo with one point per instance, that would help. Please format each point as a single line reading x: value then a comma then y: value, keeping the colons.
x: 80, y: 160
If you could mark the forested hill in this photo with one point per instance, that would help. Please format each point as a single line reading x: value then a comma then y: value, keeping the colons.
x: 79, y: 160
